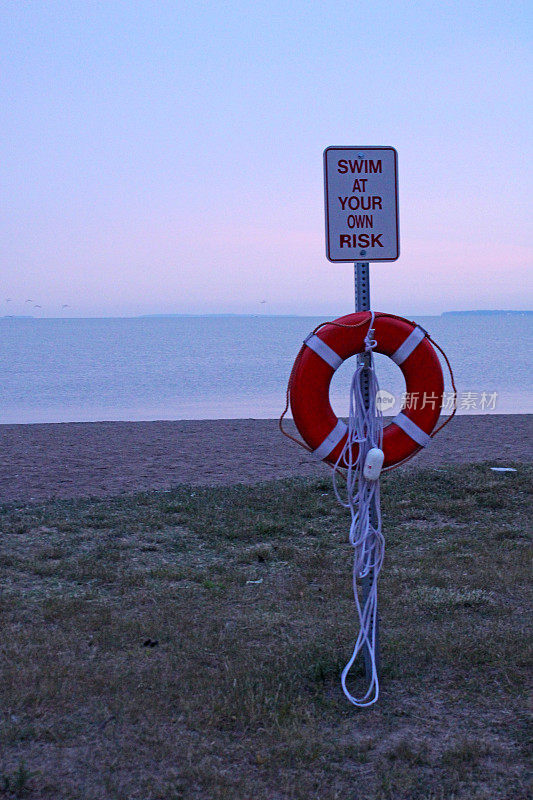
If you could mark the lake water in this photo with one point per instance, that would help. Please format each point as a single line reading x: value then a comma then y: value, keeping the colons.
x: 145, y: 368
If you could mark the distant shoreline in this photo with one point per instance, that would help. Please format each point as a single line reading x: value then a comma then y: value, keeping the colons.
x: 480, y: 312
x: 483, y: 313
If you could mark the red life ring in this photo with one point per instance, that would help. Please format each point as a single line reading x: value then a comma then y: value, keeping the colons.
x: 406, y: 344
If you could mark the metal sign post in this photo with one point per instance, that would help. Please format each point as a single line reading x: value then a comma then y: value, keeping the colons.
x: 362, y: 303
x: 361, y: 205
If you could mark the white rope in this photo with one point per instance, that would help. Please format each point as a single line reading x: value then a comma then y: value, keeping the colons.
x: 365, y: 428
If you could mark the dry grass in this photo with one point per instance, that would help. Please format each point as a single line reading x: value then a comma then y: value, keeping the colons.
x: 138, y: 662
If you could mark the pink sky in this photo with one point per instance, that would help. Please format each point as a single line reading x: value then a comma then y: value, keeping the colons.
x: 167, y: 158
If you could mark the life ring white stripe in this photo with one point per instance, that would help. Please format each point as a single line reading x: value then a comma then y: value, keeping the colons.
x: 411, y: 429
x: 407, y: 347
x: 323, y: 350
x: 331, y: 441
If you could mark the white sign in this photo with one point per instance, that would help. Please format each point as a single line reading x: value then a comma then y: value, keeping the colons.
x: 361, y: 188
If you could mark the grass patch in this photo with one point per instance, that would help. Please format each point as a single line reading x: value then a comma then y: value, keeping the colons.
x: 188, y: 644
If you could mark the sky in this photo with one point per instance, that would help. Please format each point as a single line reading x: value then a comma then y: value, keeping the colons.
x: 166, y: 157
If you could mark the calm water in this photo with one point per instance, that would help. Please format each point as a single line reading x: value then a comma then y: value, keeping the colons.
x: 216, y: 367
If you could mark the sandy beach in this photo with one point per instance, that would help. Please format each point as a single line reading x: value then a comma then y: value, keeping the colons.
x: 105, y: 458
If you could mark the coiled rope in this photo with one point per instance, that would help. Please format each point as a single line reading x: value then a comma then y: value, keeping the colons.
x: 365, y: 428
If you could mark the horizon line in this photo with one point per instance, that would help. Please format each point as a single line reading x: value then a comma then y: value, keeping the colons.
x: 253, y: 315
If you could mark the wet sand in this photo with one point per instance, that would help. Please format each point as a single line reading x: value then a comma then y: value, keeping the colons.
x: 105, y: 458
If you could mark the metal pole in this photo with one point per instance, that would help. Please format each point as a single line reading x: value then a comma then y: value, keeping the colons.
x: 362, y: 303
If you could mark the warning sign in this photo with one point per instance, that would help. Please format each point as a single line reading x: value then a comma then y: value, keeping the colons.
x: 361, y: 198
